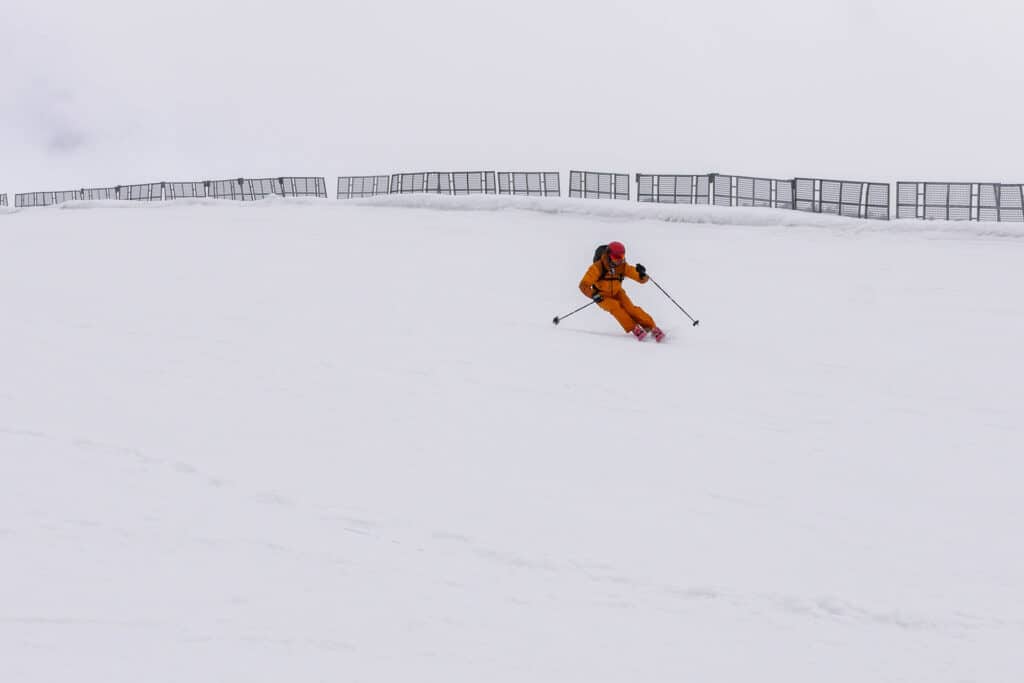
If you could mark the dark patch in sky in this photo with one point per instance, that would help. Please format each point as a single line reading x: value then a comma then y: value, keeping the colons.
x: 66, y: 141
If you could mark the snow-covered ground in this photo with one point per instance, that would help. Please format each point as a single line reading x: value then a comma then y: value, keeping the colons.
x: 312, y: 441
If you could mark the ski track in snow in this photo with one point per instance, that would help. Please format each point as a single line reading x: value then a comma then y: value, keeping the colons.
x: 438, y: 542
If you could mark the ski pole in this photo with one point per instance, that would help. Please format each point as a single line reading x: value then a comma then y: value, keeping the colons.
x: 558, y: 319
x: 695, y: 322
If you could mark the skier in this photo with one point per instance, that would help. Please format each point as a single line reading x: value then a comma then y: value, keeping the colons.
x: 603, y: 283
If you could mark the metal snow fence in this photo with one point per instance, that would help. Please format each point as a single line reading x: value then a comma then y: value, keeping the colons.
x: 751, y: 191
x: 1011, y: 203
x: 62, y: 196
x: 261, y: 188
x: 32, y: 199
x: 955, y: 201
x: 723, y: 191
x: 284, y: 186
x: 359, y: 186
x: 988, y: 202
x: 403, y: 183
x: 840, y: 197
x: 235, y: 189
x: 473, y: 182
x: 148, y: 192
x: 594, y: 185
x: 303, y: 186
x: 100, y: 193
x: 754, y: 191
x: 854, y: 199
x: 785, y: 192
x: 530, y: 183
x: 186, y: 190
x: 673, y: 189
x: 804, y: 194
x: 907, y: 202
x: 876, y: 201
x: 551, y: 182
x: 433, y: 182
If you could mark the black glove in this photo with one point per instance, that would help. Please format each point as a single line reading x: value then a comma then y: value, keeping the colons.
x: 597, y: 297
x: 641, y: 271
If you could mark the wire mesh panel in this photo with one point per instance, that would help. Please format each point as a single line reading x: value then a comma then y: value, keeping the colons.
x: 936, y: 200
x: 941, y: 201
x: 702, y: 191
x: 521, y: 183
x: 148, y: 192
x: 259, y: 188
x: 960, y: 198
x: 852, y: 198
x: 621, y: 186
x: 954, y: 201
x: 840, y: 197
x: 644, y: 187
x: 404, y: 183
x: 907, y: 201
x: 473, y: 182
x: 354, y: 187
x: 988, y: 202
x: 594, y: 185
x: 288, y: 186
x: 830, y: 197
x: 754, y: 191
x: 1011, y: 203
x: 438, y: 183
x: 187, y: 190
x: 723, y: 190
x: 876, y: 201
x: 946, y: 201
x: 236, y: 189
x: 805, y: 190
x: 575, y: 184
x: 408, y: 182
x: 66, y: 196
x: 303, y: 186
x: 784, y: 190
x: 32, y: 199
x: 530, y: 183
x: 100, y: 193
x: 751, y: 191
x: 551, y: 182
x: 672, y: 189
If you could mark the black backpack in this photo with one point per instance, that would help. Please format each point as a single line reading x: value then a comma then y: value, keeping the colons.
x: 598, y: 253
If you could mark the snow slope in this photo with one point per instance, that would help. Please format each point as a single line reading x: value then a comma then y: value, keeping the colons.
x: 313, y: 441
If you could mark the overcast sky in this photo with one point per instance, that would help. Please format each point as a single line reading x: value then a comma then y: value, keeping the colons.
x: 117, y: 91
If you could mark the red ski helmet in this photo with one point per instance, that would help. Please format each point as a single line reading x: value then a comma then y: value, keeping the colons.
x: 616, y: 251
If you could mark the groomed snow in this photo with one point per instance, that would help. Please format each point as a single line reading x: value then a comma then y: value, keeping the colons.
x: 301, y: 440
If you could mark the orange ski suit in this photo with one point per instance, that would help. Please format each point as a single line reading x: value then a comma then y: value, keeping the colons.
x: 605, y: 277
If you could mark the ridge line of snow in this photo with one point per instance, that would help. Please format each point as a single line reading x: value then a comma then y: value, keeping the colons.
x: 696, y: 214
x: 602, y: 209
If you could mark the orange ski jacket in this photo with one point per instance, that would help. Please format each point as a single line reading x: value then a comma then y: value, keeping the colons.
x: 606, y: 278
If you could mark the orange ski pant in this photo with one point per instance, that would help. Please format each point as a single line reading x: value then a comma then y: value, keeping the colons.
x: 628, y: 315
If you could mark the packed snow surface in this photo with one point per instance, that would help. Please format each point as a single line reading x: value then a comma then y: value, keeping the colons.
x: 312, y: 441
